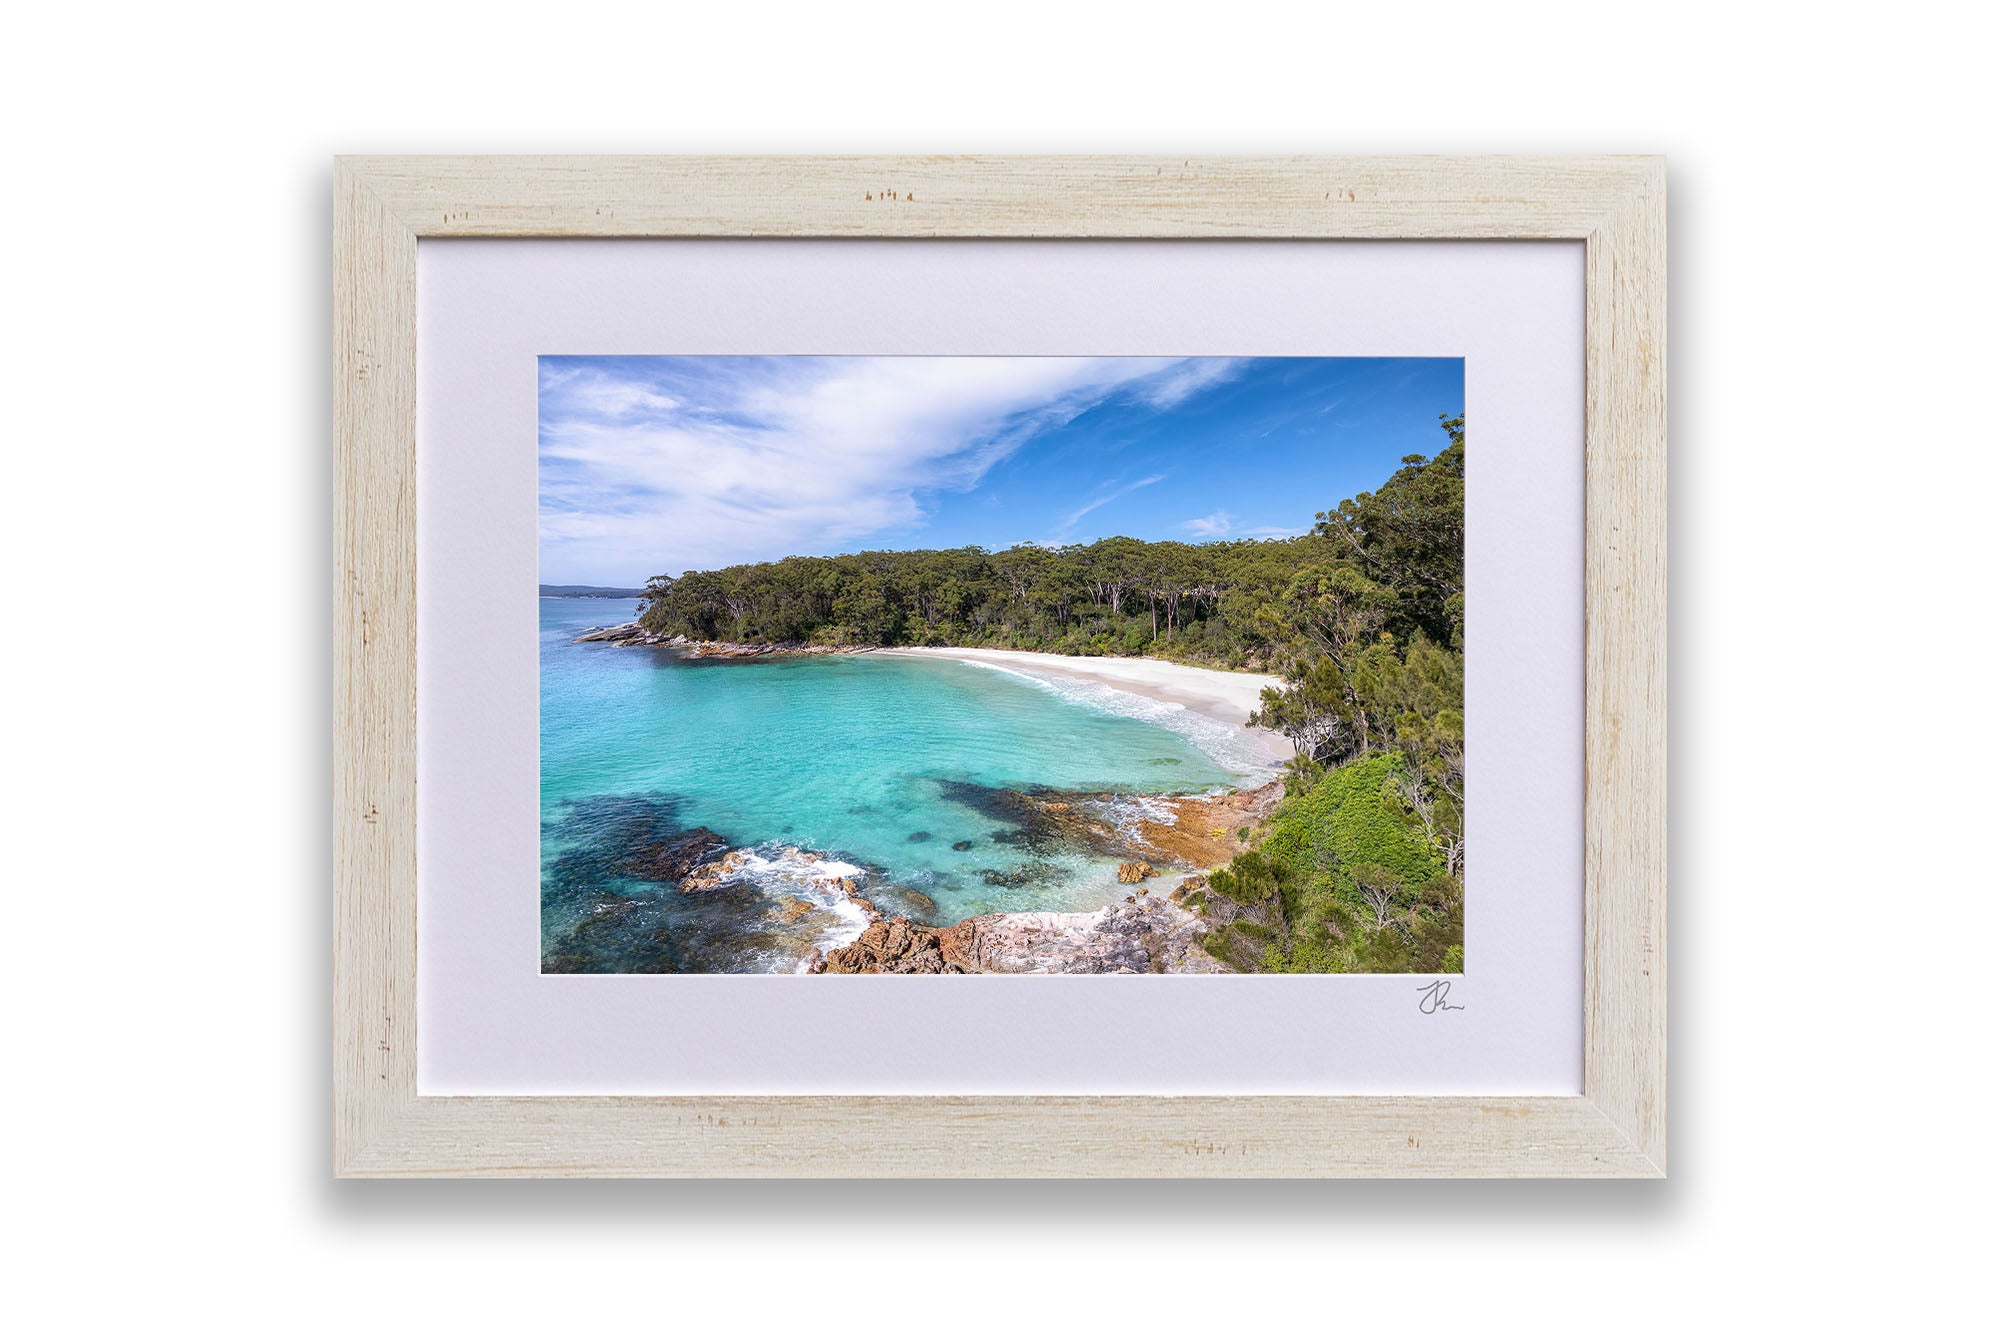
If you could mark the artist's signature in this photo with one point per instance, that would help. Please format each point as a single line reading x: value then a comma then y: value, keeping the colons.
x: 1436, y: 998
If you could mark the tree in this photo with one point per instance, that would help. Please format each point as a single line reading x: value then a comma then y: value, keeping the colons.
x: 1410, y: 534
x: 1381, y: 891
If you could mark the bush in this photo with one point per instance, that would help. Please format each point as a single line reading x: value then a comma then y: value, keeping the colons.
x: 1345, y: 828
x: 1249, y: 879
x: 1353, y: 816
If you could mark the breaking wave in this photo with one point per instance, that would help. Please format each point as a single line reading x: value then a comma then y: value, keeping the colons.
x: 1234, y: 748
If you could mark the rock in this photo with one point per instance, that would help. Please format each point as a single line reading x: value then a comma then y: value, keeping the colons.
x: 895, y: 946
x: 918, y: 837
x: 715, y: 872
x: 1005, y: 879
x: 1187, y: 886
x: 628, y: 634
x: 1189, y: 831
x: 1144, y: 891
x: 1131, y: 872
x: 616, y: 935
x: 790, y: 909
x: 669, y: 858
x: 955, y: 946
x: 1034, y: 821
x: 962, y: 846
x: 1150, y: 936
x: 1142, y: 935
x: 610, y: 633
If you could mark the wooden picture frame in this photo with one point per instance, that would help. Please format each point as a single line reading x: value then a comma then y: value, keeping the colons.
x: 384, y: 205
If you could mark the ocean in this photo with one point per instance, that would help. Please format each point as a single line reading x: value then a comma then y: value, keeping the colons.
x: 896, y: 774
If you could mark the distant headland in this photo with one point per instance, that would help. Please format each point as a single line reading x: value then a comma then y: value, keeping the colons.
x: 586, y: 590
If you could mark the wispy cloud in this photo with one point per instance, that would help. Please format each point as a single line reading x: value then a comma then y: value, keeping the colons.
x: 1189, y: 378
x: 1116, y: 492
x: 1222, y: 523
x: 662, y: 464
x: 1214, y: 525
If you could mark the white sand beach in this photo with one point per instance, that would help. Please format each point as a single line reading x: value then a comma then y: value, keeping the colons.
x: 1228, y: 697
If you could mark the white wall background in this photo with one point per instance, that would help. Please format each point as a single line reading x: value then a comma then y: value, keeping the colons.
x: 166, y: 543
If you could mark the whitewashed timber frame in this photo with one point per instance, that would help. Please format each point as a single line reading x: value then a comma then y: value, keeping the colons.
x: 382, y: 206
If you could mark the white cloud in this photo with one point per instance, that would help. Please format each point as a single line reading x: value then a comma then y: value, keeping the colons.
x: 661, y: 465
x: 1214, y: 525
x: 1188, y: 378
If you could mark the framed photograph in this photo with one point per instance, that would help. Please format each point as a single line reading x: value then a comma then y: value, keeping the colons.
x: 1000, y: 667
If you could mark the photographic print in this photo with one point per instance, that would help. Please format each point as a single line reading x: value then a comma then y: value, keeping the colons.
x: 1025, y: 665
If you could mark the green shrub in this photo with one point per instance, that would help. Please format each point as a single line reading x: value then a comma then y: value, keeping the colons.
x: 1348, y: 829
x: 1250, y: 878
x: 1353, y: 816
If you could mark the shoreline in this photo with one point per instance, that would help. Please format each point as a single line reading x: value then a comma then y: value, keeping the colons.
x: 1229, y: 697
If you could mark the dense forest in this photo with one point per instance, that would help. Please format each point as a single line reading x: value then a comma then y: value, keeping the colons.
x: 1362, y: 867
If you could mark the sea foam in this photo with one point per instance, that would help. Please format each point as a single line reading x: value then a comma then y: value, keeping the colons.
x: 779, y: 868
x: 1231, y: 747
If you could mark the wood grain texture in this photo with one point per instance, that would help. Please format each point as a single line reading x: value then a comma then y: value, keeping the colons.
x: 1625, y: 634
x: 1385, y: 198
x: 375, y: 665
x: 1615, y: 1128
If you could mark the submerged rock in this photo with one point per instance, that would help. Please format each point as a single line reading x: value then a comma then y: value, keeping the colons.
x: 918, y: 837
x: 921, y: 901
x: 615, y: 935
x: 965, y: 845
x: 790, y: 909
x: 672, y: 857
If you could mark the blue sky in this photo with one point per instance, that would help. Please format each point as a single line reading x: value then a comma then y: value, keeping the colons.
x: 656, y: 465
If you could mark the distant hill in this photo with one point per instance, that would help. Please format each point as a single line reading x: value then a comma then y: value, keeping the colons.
x: 585, y: 590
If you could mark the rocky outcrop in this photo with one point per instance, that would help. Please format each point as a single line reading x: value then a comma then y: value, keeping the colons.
x: 629, y: 632
x: 633, y: 634
x: 1147, y: 935
x: 1200, y: 831
x: 669, y: 858
x: 894, y: 945
x: 1131, y: 872
x: 1197, y: 832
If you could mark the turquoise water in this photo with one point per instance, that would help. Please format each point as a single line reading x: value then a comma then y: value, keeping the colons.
x: 895, y: 769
